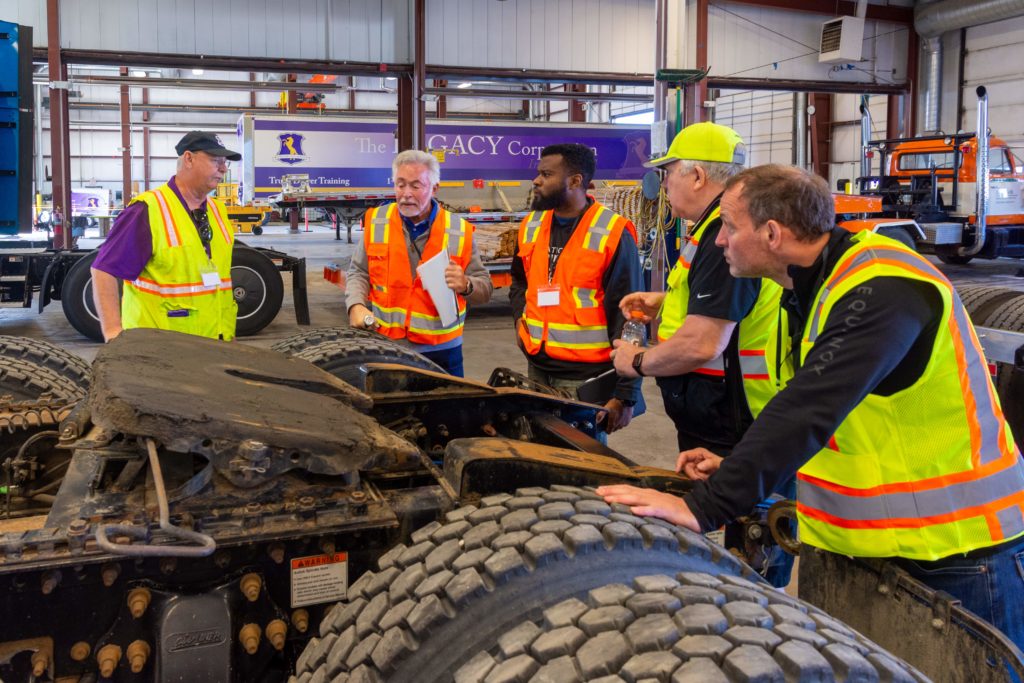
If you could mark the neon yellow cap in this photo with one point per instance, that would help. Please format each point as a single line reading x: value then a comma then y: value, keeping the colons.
x: 704, y: 142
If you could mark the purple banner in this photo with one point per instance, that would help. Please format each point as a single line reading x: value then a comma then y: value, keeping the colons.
x: 357, y: 154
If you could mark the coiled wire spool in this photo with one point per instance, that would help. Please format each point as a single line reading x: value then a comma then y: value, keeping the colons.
x: 651, y: 218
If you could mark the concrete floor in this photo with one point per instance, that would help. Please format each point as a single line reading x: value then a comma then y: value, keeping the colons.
x: 489, y: 340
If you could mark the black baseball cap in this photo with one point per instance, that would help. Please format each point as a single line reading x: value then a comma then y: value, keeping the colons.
x: 198, y: 141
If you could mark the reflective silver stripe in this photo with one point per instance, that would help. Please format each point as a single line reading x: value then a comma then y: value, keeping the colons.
x: 598, y: 230
x: 1010, y: 521
x: 753, y: 364
x: 715, y: 364
x: 981, y: 386
x: 535, y: 330
x: 977, y: 371
x: 180, y: 290
x: 586, y: 297
x: 688, y: 252
x: 944, y: 500
x: 379, y: 225
x: 859, y: 259
x: 389, y: 318
x: 559, y: 336
x: 533, y: 222
x: 426, y: 323
x: 456, y: 233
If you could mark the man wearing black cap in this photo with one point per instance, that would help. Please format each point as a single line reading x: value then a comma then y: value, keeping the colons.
x: 172, y: 248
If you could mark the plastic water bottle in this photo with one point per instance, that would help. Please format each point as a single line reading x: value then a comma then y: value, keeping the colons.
x: 634, y: 331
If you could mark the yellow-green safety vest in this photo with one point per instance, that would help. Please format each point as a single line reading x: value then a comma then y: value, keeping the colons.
x: 170, y: 294
x: 754, y: 328
x: 929, y: 471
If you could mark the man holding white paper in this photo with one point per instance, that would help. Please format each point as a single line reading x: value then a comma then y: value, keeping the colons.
x: 394, y: 282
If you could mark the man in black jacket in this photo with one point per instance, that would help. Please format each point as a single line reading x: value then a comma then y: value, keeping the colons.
x: 565, y: 300
x: 888, y: 416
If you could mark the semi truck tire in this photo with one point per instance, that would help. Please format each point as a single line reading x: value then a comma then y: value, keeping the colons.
x: 76, y: 299
x: 258, y: 290
x: 953, y: 259
x: 477, y: 584
x: 342, y: 356
x: 899, y: 234
x: 26, y: 380
x: 302, y: 340
x: 74, y: 373
x: 1009, y: 380
x: 737, y: 635
x: 981, y: 300
x: 1009, y: 315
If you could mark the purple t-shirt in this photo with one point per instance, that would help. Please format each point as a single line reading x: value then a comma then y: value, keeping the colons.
x: 129, y: 246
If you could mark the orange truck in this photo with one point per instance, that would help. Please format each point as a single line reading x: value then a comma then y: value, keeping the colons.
x: 956, y: 196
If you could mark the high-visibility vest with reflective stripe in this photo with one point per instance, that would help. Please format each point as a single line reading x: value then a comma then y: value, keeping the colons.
x: 577, y: 328
x: 928, y: 472
x: 398, y: 300
x: 753, y: 329
x: 169, y: 293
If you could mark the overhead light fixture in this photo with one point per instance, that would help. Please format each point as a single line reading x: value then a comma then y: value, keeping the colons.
x: 391, y: 78
x: 139, y: 74
x: 197, y: 72
x: 464, y: 85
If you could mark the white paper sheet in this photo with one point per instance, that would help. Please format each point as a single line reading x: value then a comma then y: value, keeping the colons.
x: 431, y: 273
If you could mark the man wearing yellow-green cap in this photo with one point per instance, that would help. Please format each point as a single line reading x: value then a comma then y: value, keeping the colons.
x: 712, y: 329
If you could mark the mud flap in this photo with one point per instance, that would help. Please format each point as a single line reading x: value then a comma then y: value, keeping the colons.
x: 927, y: 628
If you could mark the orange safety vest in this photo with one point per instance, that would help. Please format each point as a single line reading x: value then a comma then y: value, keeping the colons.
x: 398, y: 300
x: 576, y: 329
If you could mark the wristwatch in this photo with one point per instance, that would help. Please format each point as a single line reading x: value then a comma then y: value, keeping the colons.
x: 638, y: 360
x: 469, y: 288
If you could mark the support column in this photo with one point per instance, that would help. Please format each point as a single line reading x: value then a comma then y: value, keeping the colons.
x: 577, y: 110
x: 60, y: 147
x: 700, y: 88
x: 442, y: 100
x: 894, y: 116
x: 126, y: 142
x: 147, y: 171
x: 910, y: 108
x: 411, y: 110
x: 821, y: 132
x: 800, y: 129
x: 252, y: 93
x: 291, y: 96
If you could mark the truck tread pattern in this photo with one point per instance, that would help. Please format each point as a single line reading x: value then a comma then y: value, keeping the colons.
x: 343, y: 356
x: 659, y: 634
x: 30, y: 368
x: 302, y: 340
x: 471, y: 576
x: 981, y: 300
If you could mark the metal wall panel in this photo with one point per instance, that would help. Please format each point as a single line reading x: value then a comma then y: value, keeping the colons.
x: 357, y: 30
x: 764, y: 119
x: 27, y: 13
x: 846, y: 136
x: 568, y: 35
x: 754, y: 42
x: 993, y: 59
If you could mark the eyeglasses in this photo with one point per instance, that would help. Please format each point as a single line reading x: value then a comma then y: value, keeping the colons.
x: 216, y: 160
x: 202, y: 221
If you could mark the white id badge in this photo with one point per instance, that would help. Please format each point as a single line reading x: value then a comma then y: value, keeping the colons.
x: 211, y: 278
x: 547, y: 296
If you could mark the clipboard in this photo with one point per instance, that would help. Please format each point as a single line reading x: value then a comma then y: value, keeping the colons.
x: 431, y: 274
